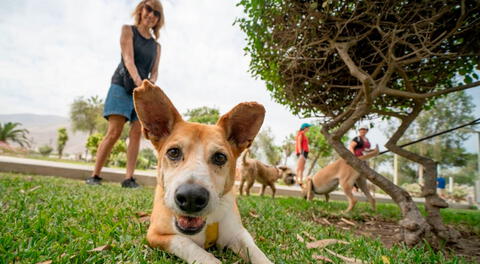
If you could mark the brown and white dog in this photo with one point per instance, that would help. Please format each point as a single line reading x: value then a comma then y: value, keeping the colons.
x: 340, y: 173
x: 251, y: 170
x: 194, y: 206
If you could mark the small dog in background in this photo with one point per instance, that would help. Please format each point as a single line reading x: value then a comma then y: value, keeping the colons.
x: 251, y: 170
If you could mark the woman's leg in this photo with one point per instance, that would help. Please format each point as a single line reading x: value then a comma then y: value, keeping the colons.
x: 133, y: 146
x: 115, y: 127
x: 300, y: 168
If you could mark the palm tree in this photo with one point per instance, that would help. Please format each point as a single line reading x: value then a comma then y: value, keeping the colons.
x: 10, y: 132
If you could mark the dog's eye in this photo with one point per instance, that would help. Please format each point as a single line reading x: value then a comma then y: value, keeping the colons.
x: 174, y: 154
x: 219, y: 159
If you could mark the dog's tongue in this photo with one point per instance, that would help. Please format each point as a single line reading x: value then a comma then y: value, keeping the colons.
x: 188, y: 222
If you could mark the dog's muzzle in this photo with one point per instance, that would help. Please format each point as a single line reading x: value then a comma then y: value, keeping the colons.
x: 191, y: 199
x: 289, y: 179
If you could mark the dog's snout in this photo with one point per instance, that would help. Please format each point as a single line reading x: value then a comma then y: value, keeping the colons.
x: 191, y: 198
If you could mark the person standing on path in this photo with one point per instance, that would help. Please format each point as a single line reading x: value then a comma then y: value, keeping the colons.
x: 360, y: 143
x: 301, y: 149
x: 140, y: 58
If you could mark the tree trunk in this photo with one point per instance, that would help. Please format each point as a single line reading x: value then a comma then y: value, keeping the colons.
x: 433, y: 203
x: 312, y: 165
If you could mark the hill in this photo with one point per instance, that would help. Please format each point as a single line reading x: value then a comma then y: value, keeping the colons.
x: 43, y: 130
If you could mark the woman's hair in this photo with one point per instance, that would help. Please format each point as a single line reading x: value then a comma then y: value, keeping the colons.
x: 155, y: 4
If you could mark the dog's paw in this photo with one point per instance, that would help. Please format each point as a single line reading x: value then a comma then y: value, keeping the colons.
x: 207, y: 259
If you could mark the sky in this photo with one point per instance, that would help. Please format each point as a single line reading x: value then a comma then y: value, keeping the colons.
x: 53, y: 51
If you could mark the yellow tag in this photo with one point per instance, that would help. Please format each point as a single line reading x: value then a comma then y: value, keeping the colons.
x: 211, y: 235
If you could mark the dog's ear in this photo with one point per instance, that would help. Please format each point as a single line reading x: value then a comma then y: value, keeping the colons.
x: 242, y: 124
x: 155, y: 111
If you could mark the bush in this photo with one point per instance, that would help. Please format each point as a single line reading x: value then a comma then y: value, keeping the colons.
x: 146, y: 159
x: 460, y: 193
x: 45, y: 150
x: 92, y: 143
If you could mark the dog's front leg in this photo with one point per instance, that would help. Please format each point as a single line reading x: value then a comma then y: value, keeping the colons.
x: 244, y: 245
x: 183, y: 248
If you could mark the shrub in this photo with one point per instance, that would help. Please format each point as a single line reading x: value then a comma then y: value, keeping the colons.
x: 45, y: 150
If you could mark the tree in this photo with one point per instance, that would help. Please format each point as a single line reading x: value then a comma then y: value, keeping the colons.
x: 467, y: 174
x: 266, y: 143
x: 86, y: 114
x: 9, y: 132
x: 319, y: 147
x: 344, y: 61
x: 288, y: 147
x: 448, y: 111
x: 204, y: 115
x: 62, y: 139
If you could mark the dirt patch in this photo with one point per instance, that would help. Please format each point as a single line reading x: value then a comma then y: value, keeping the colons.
x: 389, y: 232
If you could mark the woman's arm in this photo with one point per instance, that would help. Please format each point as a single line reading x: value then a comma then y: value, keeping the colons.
x: 126, y: 44
x: 154, y: 75
x: 298, y: 144
x: 352, y: 146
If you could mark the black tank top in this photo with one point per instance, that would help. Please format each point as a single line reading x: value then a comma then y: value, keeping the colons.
x: 144, y: 53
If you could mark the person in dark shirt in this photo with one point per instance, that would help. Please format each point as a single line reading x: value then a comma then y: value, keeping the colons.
x: 140, y: 58
x: 360, y: 143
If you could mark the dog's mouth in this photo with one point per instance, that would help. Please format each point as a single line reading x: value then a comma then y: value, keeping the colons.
x: 189, y: 225
x: 289, y: 180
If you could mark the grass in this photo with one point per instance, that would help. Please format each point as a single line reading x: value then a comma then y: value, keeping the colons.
x: 47, y: 218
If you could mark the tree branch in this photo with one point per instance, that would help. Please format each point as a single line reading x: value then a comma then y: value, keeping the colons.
x: 405, y: 94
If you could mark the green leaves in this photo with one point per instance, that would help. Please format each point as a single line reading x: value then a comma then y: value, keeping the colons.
x: 204, y: 115
x: 9, y: 132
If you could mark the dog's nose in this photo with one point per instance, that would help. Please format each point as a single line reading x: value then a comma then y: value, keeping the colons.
x: 191, y: 198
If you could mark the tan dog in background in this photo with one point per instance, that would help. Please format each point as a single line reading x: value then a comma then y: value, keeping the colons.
x: 194, y: 206
x: 340, y: 173
x: 251, y: 170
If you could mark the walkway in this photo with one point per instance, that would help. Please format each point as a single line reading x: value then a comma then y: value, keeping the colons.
x: 81, y: 172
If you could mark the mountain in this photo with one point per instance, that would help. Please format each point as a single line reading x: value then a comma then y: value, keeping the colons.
x: 43, y: 130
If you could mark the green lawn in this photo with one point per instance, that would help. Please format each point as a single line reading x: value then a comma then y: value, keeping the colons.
x: 48, y: 218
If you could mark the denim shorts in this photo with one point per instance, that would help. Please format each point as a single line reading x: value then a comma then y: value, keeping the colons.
x: 119, y: 102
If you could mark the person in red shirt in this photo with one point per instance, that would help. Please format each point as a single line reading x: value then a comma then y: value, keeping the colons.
x: 301, y: 149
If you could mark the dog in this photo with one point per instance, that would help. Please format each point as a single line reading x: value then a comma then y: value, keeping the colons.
x: 339, y: 173
x: 251, y: 170
x: 194, y: 205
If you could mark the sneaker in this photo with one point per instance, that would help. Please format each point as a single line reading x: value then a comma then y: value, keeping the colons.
x: 130, y: 183
x: 94, y: 180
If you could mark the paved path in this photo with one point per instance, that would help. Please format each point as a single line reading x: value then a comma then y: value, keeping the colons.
x: 81, y: 172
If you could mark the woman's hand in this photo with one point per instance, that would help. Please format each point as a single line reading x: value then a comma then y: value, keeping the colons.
x: 138, y: 82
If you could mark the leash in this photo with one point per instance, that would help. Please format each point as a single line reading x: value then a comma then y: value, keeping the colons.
x: 474, y: 122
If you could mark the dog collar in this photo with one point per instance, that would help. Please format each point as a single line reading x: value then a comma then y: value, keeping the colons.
x: 211, y: 235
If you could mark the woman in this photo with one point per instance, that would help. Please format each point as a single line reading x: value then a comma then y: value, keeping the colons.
x: 301, y: 149
x: 360, y: 143
x: 140, y: 59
